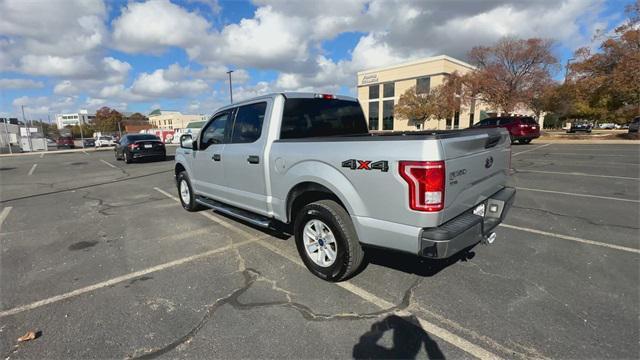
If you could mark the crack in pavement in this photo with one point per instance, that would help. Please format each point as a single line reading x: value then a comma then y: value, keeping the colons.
x: 587, y: 220
x: 539, y: 287
x: 117, y: 180
x: 251, y: 276
x: 103, y: 207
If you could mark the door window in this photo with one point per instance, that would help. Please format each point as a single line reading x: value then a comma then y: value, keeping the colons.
x: 248, y: 125
x: 214, y: 133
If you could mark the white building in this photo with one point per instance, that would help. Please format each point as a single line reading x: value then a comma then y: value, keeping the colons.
x: 172, y: 120
x: 72, y: 119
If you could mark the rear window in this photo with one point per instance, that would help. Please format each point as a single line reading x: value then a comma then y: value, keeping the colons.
x: 142, y: 137
x: 528, y: 120
x: 306, y: 118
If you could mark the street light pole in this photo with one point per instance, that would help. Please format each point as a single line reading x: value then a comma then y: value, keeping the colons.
x: 566, y: 69
x: 230, y: 87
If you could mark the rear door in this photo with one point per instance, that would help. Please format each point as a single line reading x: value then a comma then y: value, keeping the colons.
x: 208, y: 173
x: 243, y: 158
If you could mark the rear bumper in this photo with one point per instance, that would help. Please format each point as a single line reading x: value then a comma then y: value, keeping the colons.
x: 138, y: 155
x: 466, y: 229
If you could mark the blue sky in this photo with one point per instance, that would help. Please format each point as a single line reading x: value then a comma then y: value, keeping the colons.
x: 66, y: 55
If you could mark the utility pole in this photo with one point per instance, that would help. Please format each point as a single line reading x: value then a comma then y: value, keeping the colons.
x: 230, y: 87
x: 566, y: 69
x: 28, y: 129
x: 6, y: 130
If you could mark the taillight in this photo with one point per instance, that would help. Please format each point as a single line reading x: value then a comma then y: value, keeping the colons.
x: 524, y: 125
x: 426, y: 184
x: 324, y: 96
x: 133, y: 146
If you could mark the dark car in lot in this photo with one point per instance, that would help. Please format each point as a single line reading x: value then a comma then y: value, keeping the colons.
x: 65, y: 142
x: 521, y: 128
x: 89, y: 142
x: 580, y: 126
x: 140, y: 146
x: 634, y: 125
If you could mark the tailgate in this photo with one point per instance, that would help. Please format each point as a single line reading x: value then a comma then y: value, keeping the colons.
x: 477, y: 166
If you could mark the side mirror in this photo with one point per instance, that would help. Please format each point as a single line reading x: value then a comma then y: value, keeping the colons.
x: 186, y: 141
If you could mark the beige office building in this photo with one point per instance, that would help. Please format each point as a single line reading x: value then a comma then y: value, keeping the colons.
x: 172, y: 120
x: 379, y: 90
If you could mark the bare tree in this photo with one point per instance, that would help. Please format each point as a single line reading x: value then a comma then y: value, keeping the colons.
x: 512, y: 72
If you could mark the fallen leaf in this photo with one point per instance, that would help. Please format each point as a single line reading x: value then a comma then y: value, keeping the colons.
x: 30, y: 335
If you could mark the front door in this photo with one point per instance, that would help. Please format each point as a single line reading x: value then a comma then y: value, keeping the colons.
x: 208, y: 172
x: 244, y: 163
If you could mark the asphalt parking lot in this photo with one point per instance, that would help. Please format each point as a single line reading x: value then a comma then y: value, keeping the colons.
x: 100, y: 258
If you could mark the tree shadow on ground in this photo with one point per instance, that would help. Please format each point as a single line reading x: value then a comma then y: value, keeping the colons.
x: 408, y: 340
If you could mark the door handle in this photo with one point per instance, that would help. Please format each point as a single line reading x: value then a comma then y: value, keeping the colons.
x: 253, y: 159
x: 216, y: 157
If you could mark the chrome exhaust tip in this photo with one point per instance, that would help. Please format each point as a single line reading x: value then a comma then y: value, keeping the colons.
x: 491, y: 238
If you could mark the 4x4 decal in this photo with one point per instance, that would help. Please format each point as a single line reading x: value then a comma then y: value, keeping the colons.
x: 354, y: 164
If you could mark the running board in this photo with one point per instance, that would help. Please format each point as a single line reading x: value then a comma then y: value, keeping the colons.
x: 254, y: 219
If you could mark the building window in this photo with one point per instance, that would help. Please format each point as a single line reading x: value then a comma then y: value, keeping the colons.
x: 387, y: 115
x: 374, y: 113
x: 374, y: 91
x: 389, y: 90
x: 423, y: 85
x: 456, y: 120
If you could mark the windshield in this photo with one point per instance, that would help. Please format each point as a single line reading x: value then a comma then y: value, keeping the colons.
x: 305, y: 118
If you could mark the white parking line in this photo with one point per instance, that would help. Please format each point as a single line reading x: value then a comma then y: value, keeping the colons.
x: 572, y: 238
x: 122, y: 278
x: 33, y: 168
x: 3, y: 215
x: 86, y: 153
x: 108, y: 163
x: 526, y: 151
x: 431, y: 328
x: 41, y: 155
x: 577, y: 174
x: 586, y: 154
x: 579, y: 195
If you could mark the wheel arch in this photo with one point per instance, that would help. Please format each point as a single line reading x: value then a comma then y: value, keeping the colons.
x: 305, y: 193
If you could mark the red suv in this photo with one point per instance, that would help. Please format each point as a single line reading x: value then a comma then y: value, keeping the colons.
x: 521, y: 128
x: 65, y: 142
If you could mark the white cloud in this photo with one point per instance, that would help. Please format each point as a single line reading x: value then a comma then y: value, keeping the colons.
x: 20, y: 84
x: 152, y: 26
x: 158, y: 84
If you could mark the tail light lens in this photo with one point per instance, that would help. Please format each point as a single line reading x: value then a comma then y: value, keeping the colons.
x: 133, y: 146
x: 426, y: 184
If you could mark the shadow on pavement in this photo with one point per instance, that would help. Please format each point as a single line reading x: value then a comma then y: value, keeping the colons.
x: 408, y: 339
x: 414, y: 264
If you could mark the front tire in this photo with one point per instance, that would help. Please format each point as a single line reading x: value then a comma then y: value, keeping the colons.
x: 327, y: 241
x: 187, y: 196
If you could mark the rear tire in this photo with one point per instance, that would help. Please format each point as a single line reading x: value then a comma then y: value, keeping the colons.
x: 336, y: 250
x: 186, y: 194
x: 525, y: 141
x: 127, y: 158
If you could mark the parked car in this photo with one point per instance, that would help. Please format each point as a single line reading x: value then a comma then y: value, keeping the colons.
x: 308, y: 160
x: 634, y: 124
x: 103, y: 140
x: 89, y: 142
x: 580, y: 126
x: 65, y: 142
x: 521, y: 128
x: 138, y: 146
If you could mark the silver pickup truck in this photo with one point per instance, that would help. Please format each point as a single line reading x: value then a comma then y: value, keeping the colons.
x: 309, y: 161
